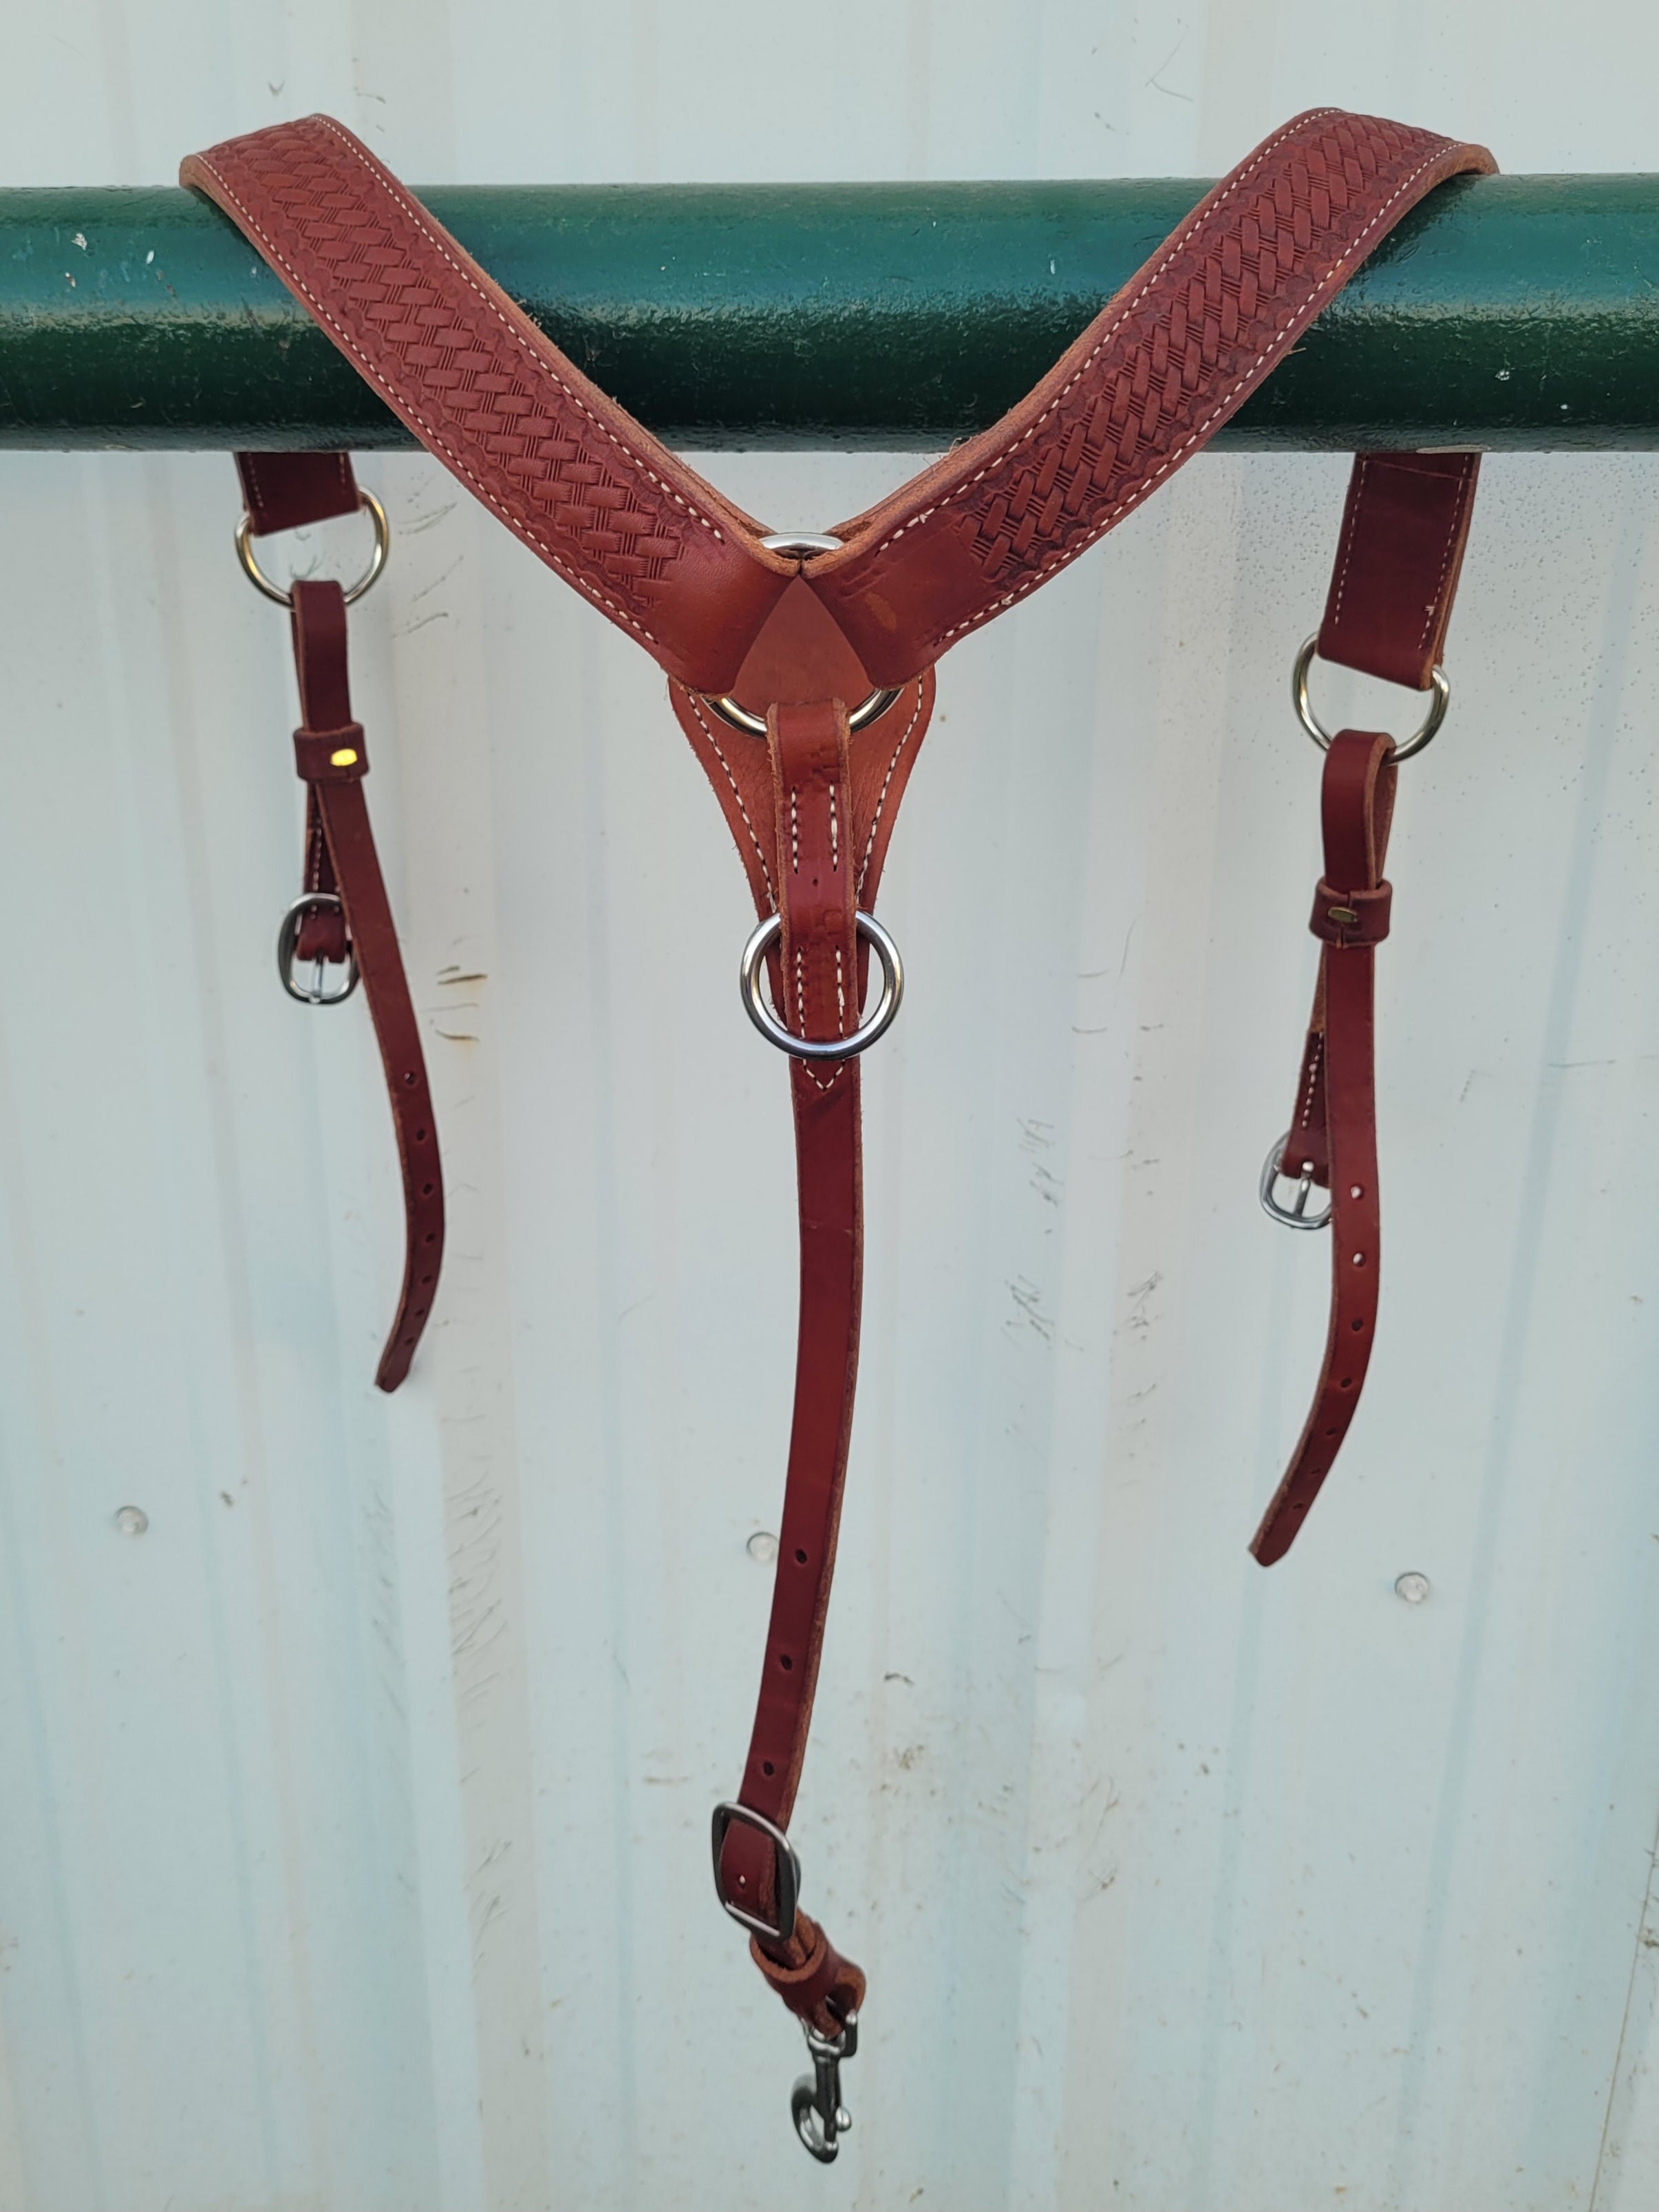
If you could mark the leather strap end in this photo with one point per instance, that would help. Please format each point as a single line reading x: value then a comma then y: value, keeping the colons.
x: 1345, y: 917
x: 331, y: 756
x: 323, y: 935
x: 285, y: 491
x: 814, y: 1981
x: 1404, y: 530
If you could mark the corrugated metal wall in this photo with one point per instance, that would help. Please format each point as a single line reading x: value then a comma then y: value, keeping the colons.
x: 352, y: 1848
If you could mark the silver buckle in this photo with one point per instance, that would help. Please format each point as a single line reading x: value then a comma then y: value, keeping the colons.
x: 288, y: 941
x: 765, y: 936
x: 1295, y: 1216
x: 787, y: 1873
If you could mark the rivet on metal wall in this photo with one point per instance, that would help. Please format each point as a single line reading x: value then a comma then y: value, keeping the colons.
x: 132, y: 1520
x: 1414, y: 1587
x: 764, y: 1546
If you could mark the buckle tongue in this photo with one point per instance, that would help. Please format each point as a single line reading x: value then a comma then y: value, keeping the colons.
x: 815, y: 2103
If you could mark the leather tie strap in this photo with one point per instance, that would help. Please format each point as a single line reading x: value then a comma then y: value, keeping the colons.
x: 1404, y: 530
x: 284, y: 490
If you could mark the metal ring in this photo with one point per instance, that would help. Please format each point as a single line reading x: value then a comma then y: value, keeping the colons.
x: 377, y: 559
x: 860, y: 717
x: 288, y: 941
x: 1296, y: 1216
x: 754, y: 998
x: 1322, y: 737
x: 801, y: 541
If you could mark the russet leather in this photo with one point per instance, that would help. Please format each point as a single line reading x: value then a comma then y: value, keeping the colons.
x: 800, y: 639
x: 341, y: 857
x: 1399, y: 557
x: 1333, y: 1133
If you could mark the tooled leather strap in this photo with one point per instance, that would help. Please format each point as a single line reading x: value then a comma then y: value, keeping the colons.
x: 655, y: 547
x: 331, y: 756
x: 582, y: 483
x: 1155, y: 375
x: 1404, y: 530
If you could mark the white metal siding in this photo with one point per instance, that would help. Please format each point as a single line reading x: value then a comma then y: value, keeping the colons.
x: 352, y: 1848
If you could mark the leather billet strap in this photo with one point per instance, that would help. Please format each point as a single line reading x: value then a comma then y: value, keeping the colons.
x: 1332, y: 1137
x: 1399, y: 555
x: 658, y: 549
x: 284, y: 491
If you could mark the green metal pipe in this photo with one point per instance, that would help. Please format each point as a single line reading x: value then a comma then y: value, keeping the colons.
x: 1509, y: 312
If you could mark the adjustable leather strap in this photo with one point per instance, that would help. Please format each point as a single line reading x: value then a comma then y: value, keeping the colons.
x: 1333, y: 1135
x: 808, y: 749
x: 811, y: 810
x: 331, y: 756
x: 1404, y: 531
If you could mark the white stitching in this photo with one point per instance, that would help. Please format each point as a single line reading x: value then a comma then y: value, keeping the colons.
x: 395, y: 190
x: 1348, y: 538
x: 1065, y: 554
x: 401, y: 406
x: 1433, y: 608
x: 869, y: 842
x: 708, y: 729
x: 1175, y: 245
x: 835, y: 835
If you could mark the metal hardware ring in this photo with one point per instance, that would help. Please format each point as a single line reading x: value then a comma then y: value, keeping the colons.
x: 377, y: 559
x: 739, y: 718
x: 892, y: 991
x: 288, y: 941
x: 1322, y: 737
x: 1296, y: 1216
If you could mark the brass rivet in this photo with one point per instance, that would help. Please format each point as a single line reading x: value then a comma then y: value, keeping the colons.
x: 1344, y: 913
x: 346, y: 757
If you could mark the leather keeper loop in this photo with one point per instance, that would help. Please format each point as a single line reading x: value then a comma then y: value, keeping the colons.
x: 824, y: 1989
x: 331, y: 756
x: 1343, y: 918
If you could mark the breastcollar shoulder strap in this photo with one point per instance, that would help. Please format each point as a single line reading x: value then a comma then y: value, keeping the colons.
x: 585, y: 487
x: 1162, y: 367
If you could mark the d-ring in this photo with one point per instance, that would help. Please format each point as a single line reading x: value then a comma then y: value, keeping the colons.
x: 1322, y: 737
x: 754, y: 998
x: 1296, y: 1216
x: 257, y: 577
x: 288, y: 944
x: 859, y: 717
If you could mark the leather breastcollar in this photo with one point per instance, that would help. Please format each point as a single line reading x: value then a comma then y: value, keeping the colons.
x: 803, y: 679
